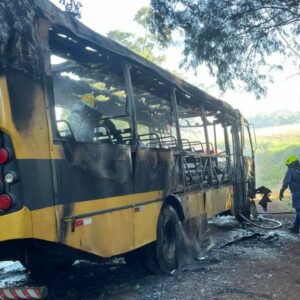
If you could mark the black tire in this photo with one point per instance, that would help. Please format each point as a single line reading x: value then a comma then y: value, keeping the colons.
x: 166, y: 239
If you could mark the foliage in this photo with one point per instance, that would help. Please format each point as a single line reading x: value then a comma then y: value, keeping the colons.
x: 142, y: 45
x: 72, y: 6
x: 234, y: 38
x: 18, y: 41
x: 142, y: 17
x: 275, y: 119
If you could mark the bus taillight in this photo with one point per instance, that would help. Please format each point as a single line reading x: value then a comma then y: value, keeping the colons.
x: 5, y: 202
x: 4, y: 156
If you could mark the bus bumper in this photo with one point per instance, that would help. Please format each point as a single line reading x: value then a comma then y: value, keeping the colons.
x: 17, y: 225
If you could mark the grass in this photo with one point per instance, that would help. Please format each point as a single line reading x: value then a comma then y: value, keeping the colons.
x: 273, y: 147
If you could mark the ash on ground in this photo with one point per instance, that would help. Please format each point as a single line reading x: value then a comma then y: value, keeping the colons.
x: 236, y: 263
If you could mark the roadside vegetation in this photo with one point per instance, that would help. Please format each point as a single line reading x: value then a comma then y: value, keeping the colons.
x: 277, y: 118
x: 274, y: 145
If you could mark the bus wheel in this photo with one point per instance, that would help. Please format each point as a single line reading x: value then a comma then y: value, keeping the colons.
x: 166, y: 239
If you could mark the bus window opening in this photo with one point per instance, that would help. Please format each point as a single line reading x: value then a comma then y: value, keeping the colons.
x: 90, y: 95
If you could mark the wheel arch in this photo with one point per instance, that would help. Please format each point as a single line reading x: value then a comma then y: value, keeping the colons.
x: 175, y: 202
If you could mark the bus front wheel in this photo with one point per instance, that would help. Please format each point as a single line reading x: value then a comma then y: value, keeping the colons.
x: 166, y: 239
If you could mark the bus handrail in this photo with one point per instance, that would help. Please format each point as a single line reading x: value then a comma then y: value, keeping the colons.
x: 149, y: 139
x: 169, y: 141
x: 99, y: 134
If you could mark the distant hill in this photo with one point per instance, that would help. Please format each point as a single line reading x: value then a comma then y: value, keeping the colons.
x: 274, y: 145
x: 277, y: 118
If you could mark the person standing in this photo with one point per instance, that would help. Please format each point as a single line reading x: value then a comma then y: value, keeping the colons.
x: 292, y: 181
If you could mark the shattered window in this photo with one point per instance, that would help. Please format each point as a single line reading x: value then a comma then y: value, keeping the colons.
x: 154, y: 116
x: 191, y: 128
x: 90, y: 94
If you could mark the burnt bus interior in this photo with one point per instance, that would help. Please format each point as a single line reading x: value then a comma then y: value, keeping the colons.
x: 169, y: 147
x: 162, y: 117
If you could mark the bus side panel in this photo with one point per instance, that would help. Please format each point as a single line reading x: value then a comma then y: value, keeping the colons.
x: 193, y: 204
x: 111, y: 232
x: 209, y: 202
x: 93, y: 171
x: 24, y: 120
x: 153, y: 172
x: 37, y: 183
x: 94, y: 198
x: 218, y: 200
x: 145, y: 221
x: 105, y: 235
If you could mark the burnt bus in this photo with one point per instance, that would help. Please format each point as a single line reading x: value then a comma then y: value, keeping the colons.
x: 176, y: 153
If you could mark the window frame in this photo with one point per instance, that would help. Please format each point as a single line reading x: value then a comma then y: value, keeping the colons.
x: 55, y: 131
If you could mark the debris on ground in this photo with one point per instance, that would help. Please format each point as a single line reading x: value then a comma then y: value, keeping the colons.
x: 240, y: 263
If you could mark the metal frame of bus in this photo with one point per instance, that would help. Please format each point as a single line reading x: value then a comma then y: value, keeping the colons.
x: 37, y: 230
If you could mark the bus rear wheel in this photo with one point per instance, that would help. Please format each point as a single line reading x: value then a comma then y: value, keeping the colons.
x: 166, y: 239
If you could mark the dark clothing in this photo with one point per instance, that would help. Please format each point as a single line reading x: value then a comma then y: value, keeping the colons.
x: 83, y: 121
x: 113, y: 130
x: 292, y: 180
x: 296, y: 204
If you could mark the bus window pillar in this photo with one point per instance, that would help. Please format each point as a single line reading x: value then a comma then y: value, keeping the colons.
x: 203, y: 117
x: 215, y: 143
x: 176, y: 118
x: 131, y: 105
x: 239, y: 189
x: 227, y: 148
x: 178, y: 135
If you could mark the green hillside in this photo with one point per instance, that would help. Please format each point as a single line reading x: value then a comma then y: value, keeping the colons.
x: 274, y: 145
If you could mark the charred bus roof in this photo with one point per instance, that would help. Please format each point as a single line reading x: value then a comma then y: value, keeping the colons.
x: 65, y: 26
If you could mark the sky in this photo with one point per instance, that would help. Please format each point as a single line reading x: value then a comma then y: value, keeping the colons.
x: 284, y: 94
